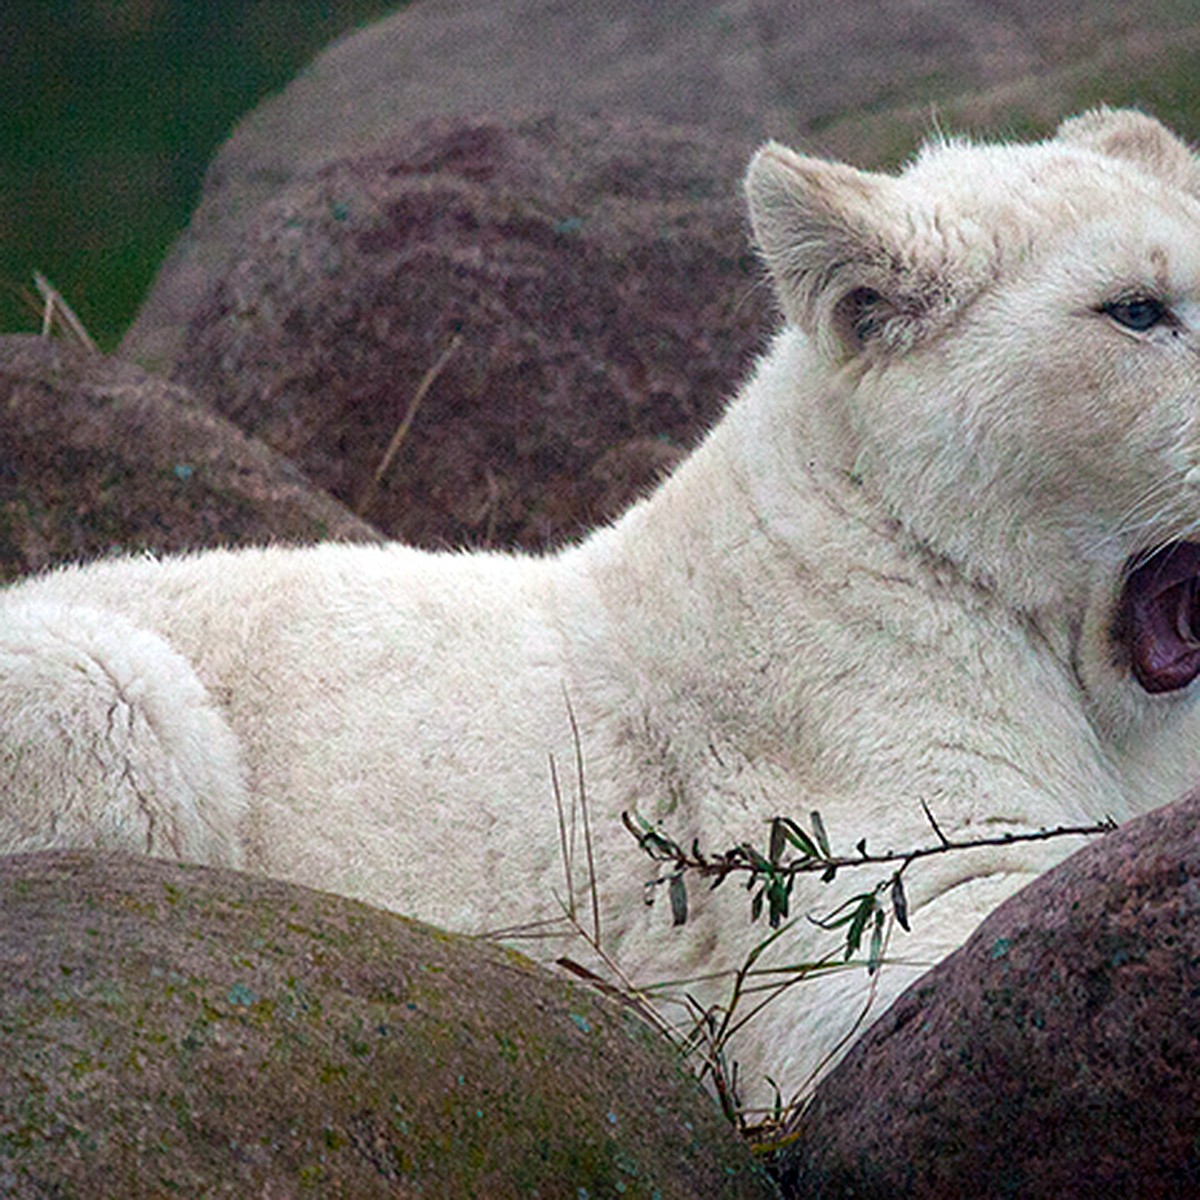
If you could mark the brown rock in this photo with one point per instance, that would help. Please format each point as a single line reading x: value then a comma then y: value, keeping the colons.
x: 172, y: 1030
x: 572, y: 301
x: 95, y: 455
x: 1056, y: 1054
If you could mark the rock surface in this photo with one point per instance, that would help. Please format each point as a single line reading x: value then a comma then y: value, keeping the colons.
x: 1056, y: 1054
x: 586, y: 287
x: 177, y: 1030
x: 96, y: 454
x: 860, y: 78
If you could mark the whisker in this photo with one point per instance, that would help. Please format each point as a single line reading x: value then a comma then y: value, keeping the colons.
x: 1158, y: 509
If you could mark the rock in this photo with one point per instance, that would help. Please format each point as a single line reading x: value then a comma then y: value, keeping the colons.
x: 96, y: 454
x: 570, y: 301
x: 1056, y: 1054
x: 181, y: 1030
x: 858, y: 79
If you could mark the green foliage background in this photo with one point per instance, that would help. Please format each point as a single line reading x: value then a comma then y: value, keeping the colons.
x: 110, y: 110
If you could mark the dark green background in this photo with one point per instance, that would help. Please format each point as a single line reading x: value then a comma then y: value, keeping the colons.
x: 110, y: 110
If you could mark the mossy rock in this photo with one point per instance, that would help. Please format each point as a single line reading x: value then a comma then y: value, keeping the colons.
x: 177, y: 1030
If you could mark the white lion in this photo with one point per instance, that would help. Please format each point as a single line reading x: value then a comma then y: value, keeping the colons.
x: 909, y: 565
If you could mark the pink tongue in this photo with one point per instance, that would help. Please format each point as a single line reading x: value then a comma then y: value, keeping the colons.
x: 1162, y: 617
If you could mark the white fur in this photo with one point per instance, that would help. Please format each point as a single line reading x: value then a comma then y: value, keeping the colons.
x: 888, y: 576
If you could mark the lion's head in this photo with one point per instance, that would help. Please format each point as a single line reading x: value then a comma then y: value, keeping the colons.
x: 1012, y: 334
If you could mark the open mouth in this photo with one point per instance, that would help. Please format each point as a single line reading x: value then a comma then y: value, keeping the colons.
x: 1160, y: 617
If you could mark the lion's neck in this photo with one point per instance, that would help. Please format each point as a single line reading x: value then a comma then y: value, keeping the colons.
x: 776, y: 516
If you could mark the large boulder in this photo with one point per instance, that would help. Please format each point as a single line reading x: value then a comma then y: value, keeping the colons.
x: 1056, y: 1054
x: 568, y: 304
x: 173, y: 1030
x: 96, y: 454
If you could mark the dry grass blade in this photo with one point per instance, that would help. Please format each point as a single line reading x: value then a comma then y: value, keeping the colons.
x: 619, y: 992
x: 544, y: 930
x: 566, y: 846
x: 427, y: 381
x: 57, y: 313
x: 583, y: 809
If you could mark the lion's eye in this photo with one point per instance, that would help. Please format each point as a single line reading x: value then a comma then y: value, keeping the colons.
x: 1138, y: 313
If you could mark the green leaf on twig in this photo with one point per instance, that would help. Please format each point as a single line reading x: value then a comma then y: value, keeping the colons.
x: 875, y: 955
x: 858, y: 923
x: 799, y: 838
x: 677, y: 890
x: 899, y: 902
x: 819, y: 832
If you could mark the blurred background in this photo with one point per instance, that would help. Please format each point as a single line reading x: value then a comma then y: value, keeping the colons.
x: 113, y: 109
x: 110, y: 110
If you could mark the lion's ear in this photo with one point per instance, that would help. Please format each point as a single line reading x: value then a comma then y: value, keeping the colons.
x: 830, y: 235
x: 1128, y: 134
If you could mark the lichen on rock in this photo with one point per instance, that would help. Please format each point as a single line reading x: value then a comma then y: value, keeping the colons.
x: 170, y: 1029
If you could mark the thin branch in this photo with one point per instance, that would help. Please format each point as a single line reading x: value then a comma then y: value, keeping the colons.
x: 941, y: 836
x: 744, y: 859
x: 872, y: 991
x: 740, y: 977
